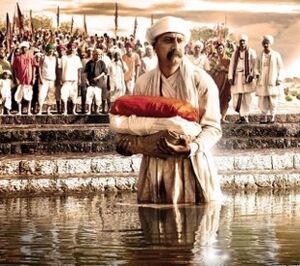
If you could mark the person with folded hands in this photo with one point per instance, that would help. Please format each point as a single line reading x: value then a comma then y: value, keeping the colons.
x: 176, y: 167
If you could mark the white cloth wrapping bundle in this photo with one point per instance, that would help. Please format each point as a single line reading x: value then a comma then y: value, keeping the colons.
x: 141, y: 126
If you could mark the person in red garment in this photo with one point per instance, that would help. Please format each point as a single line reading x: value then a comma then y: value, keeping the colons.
x: 24, y: 73
x: 183, y: 173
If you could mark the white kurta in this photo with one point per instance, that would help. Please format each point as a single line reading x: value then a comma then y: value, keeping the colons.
x: 116, y: 79
x: 177, y: 179
x: 200, y: 61
x: 270, y: 70
x: 240, y: 85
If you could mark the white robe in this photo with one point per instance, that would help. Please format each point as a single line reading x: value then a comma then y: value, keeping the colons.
x: 269, y: 70
x: 183, y: 180
x: 116, y: 79
x: 240, y: 85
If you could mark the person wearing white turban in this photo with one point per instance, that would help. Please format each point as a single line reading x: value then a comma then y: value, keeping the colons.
x: 269, y: 71
x: 188, y: 174
x: 168, y: 24
x: 199, y: 58
x: 241, y: 78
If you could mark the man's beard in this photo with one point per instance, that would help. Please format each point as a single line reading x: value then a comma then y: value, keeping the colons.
x: 173, y: 53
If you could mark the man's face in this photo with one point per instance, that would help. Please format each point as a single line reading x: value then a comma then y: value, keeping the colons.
x: 220, y: 49
x: 149, y: 51
x: 96, y: 56
x: 243, y: 44
x: 2, y: 53
x: 24, y: 49
x: 266, y: 44
x: 50, y: 52
x: 169, y: 48
x: 197, y: 49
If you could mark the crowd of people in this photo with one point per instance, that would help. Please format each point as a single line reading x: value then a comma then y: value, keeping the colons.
x: 60, y: 72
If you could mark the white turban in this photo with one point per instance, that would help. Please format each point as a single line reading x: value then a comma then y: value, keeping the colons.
x: 269, y: 38
x: 199, y: 44
x: 24, y: 44
x: 168, y: 24
x: 243, y: 37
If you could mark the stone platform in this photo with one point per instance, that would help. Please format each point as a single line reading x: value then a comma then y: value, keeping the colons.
x: 91, y: 134
x: 69, y: 154
x: 104, y: 172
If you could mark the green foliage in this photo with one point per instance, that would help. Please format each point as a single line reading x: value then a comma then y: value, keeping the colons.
x: 288, y: 98
x: 42, y: 22
x: 65, y: 26
x: 205, y: 33
x: 3, y: 25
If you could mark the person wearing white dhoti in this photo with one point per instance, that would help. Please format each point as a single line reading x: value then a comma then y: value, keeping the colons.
x: 269, y: 72
x: 188, y: 175
x: 47, y: 80
x: 71, y: 77
x: 241, y: 78
x: 5, y: 92
x: 116, y: 70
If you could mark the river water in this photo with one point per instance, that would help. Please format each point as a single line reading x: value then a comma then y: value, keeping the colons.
x: 247, y: 229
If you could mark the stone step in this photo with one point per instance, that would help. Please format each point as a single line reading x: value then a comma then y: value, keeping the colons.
x: 60, y: 138
x: 53, y: 119
x: 103, y: 118
x: 97, y: 172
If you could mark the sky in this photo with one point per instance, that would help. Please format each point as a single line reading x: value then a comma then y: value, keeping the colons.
x: 255, y: 18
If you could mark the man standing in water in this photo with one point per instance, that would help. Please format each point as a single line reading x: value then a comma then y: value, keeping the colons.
x: 188, y: 174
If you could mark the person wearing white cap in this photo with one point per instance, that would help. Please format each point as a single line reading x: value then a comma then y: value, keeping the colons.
x: 269, y: 72
x: 149, y: 61
x: 199, y: 58
x: 24, y: 73
x: 5, y: 91
x: 241, y: 78
x: 188, y: 174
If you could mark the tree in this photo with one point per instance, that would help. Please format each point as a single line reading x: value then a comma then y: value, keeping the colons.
x: 205, y: 33
x: 43, y: 22
x: 65, y: 26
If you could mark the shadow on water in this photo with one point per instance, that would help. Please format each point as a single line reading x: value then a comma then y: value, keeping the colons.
x: 253, y: 229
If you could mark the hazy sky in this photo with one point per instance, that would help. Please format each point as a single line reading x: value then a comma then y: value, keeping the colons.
x: 254, y: 18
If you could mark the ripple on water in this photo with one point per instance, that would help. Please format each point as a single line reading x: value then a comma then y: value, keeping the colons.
x: 258, y: 228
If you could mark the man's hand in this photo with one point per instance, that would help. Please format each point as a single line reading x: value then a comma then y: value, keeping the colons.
x: 165, y: 147
x: 124, y: 147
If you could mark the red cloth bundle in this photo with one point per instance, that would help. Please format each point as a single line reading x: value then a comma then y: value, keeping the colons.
x: 152, y: 106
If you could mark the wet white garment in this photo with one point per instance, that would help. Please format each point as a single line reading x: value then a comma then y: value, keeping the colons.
x: 177, y: 179
x: 138, y: 125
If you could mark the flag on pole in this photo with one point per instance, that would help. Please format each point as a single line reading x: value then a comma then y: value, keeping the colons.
x: 84, y: 25
x: 116, y: 18
x: 57, y: 17
x: 31, y: 22
x: 15, y: 22
x: 8, y: 34
x: 20, y: 19
x: 72, y: 24
x: 135, y: 27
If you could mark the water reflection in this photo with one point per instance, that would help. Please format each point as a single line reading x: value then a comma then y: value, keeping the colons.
x: 177, y: 228
x: 255, y: 228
